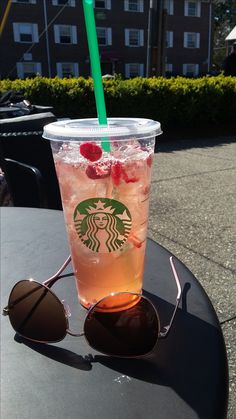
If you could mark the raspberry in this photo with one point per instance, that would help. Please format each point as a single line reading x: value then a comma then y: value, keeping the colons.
x: 91, y: 151
x: 91, y: 172
x: 98, y: 171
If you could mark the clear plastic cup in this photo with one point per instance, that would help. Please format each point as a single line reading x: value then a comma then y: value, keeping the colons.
x: 104, y: 174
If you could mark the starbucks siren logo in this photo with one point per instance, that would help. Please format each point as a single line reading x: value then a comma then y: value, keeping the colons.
x: 103, y: 224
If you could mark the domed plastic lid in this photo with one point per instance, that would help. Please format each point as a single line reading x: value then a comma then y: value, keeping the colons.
x: 85, y: 129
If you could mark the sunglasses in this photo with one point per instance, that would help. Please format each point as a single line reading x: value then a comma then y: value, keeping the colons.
x: 37, y: 314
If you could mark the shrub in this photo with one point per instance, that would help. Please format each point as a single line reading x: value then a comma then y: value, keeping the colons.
x: 175, y: 102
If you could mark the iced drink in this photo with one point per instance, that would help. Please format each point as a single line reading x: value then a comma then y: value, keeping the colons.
x: 105, y: 197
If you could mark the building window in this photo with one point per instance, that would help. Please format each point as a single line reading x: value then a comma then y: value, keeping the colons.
x: 24, y: 1
x: 65, y: 34
x: 169, y: 69
x: 70, y: 3
x: 191, y: 40
x: 134, y: 70
x: 134, y: 37
x: 27, y: 56
x: 169, y: 39
x: 28, y: 69
x: 102, y: 4
x: 67, y: 69
x: 104, y: 36
x: 191, y: 70
x: 25, y: 32
x: 169, y: 6
x: 192, y: 8
x: 133, y: 5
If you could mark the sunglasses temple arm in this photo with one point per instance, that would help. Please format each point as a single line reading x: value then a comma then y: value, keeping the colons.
x: 51, y: 281
x: 166, y: 330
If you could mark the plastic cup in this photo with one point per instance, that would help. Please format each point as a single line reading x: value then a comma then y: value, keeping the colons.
x: 105, y: 198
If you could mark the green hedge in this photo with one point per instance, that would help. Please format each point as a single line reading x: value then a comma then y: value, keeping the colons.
x: 175, y: 102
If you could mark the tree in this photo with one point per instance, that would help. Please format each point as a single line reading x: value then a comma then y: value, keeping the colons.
x: 224, y: 22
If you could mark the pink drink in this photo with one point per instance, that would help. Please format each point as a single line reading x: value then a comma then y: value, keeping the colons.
x: 105, y: 197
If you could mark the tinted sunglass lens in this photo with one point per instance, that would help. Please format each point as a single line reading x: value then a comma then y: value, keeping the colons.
x: 130, y: 332
x: 36, y: 313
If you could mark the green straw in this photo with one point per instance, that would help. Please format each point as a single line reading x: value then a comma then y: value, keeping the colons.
x: 95, y: 65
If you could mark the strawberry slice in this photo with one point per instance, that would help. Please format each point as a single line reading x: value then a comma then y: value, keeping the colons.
x: 128, y: 179
x: 149, y: 160
x: 136, y: 242
x: 91, y: 151
x: 116, y: 172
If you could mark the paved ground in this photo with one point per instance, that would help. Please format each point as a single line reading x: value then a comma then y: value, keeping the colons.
x: 193, y: 214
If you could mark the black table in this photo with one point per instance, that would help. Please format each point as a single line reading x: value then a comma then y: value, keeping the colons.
x: 185, y: 377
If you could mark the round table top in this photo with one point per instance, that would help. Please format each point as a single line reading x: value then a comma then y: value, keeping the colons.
x: 184, y: 377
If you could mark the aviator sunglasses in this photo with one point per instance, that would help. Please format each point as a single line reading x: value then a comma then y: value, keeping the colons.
x: 37, y: 314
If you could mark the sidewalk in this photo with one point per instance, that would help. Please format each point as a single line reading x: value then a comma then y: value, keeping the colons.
x: 193, y: 214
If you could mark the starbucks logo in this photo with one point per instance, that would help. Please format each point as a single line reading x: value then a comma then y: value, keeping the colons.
x: 102, y: 224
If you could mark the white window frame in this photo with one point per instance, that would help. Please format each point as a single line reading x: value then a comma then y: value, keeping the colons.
x: 17, y: 33
x: 108, y: 35
x: 169, y: 6
x: 73, y: 34
x: 196, y: 42
x: 198, y: 8
x: 140, y: 72
x: 71, y: 3
x: 20, y: 68
x: 24, y: 1
x: 140, y: 33
x: 169, y: 39
x: 127, y: 4
x: 107, y: 5
x: 195, y: 72
x: 75, y: 69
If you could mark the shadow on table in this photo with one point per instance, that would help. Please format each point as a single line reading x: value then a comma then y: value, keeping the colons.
x: 191, y: 360
x: 58, y: 354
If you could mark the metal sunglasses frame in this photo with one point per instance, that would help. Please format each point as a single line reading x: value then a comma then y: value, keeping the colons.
x: 54, y: 278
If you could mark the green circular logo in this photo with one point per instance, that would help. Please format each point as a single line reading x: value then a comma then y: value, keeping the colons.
x: 102, y: 224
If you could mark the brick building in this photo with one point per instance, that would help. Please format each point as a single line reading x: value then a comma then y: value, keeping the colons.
x: 188, y: 37
x: 48, y: 37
